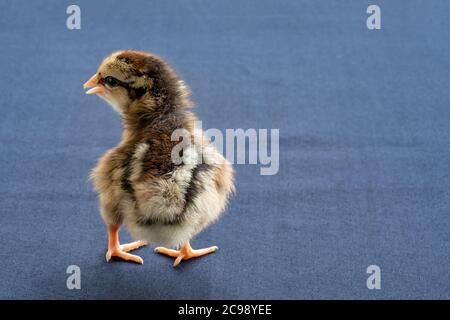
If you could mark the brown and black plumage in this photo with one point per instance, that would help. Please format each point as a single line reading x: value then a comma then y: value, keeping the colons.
x: 139, y: 184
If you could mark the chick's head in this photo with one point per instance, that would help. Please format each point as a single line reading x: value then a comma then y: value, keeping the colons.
x: 126, y: 78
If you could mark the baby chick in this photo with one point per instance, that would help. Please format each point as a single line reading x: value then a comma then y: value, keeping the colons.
x: 161, y: 200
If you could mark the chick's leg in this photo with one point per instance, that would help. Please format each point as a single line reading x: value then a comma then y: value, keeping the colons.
x: 115, y: 249
x: 185, y: 253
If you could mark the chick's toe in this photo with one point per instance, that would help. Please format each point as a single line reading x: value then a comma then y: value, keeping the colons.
x: 132, y: 245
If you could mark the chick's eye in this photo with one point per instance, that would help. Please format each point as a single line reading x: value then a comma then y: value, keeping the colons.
x: 111, y: 82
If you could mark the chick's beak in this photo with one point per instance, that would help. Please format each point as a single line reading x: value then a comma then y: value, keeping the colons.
x: 94, y: 85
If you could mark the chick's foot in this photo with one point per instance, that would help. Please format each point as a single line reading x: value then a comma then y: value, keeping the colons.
x: 115, y: 249
x: 185, y: 253
x: 122, y: 252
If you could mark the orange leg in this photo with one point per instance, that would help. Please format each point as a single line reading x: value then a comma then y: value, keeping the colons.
x: 115, y: 249
x: 185, y: 253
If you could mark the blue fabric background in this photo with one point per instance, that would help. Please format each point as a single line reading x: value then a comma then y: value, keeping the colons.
x: 364, y: 147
